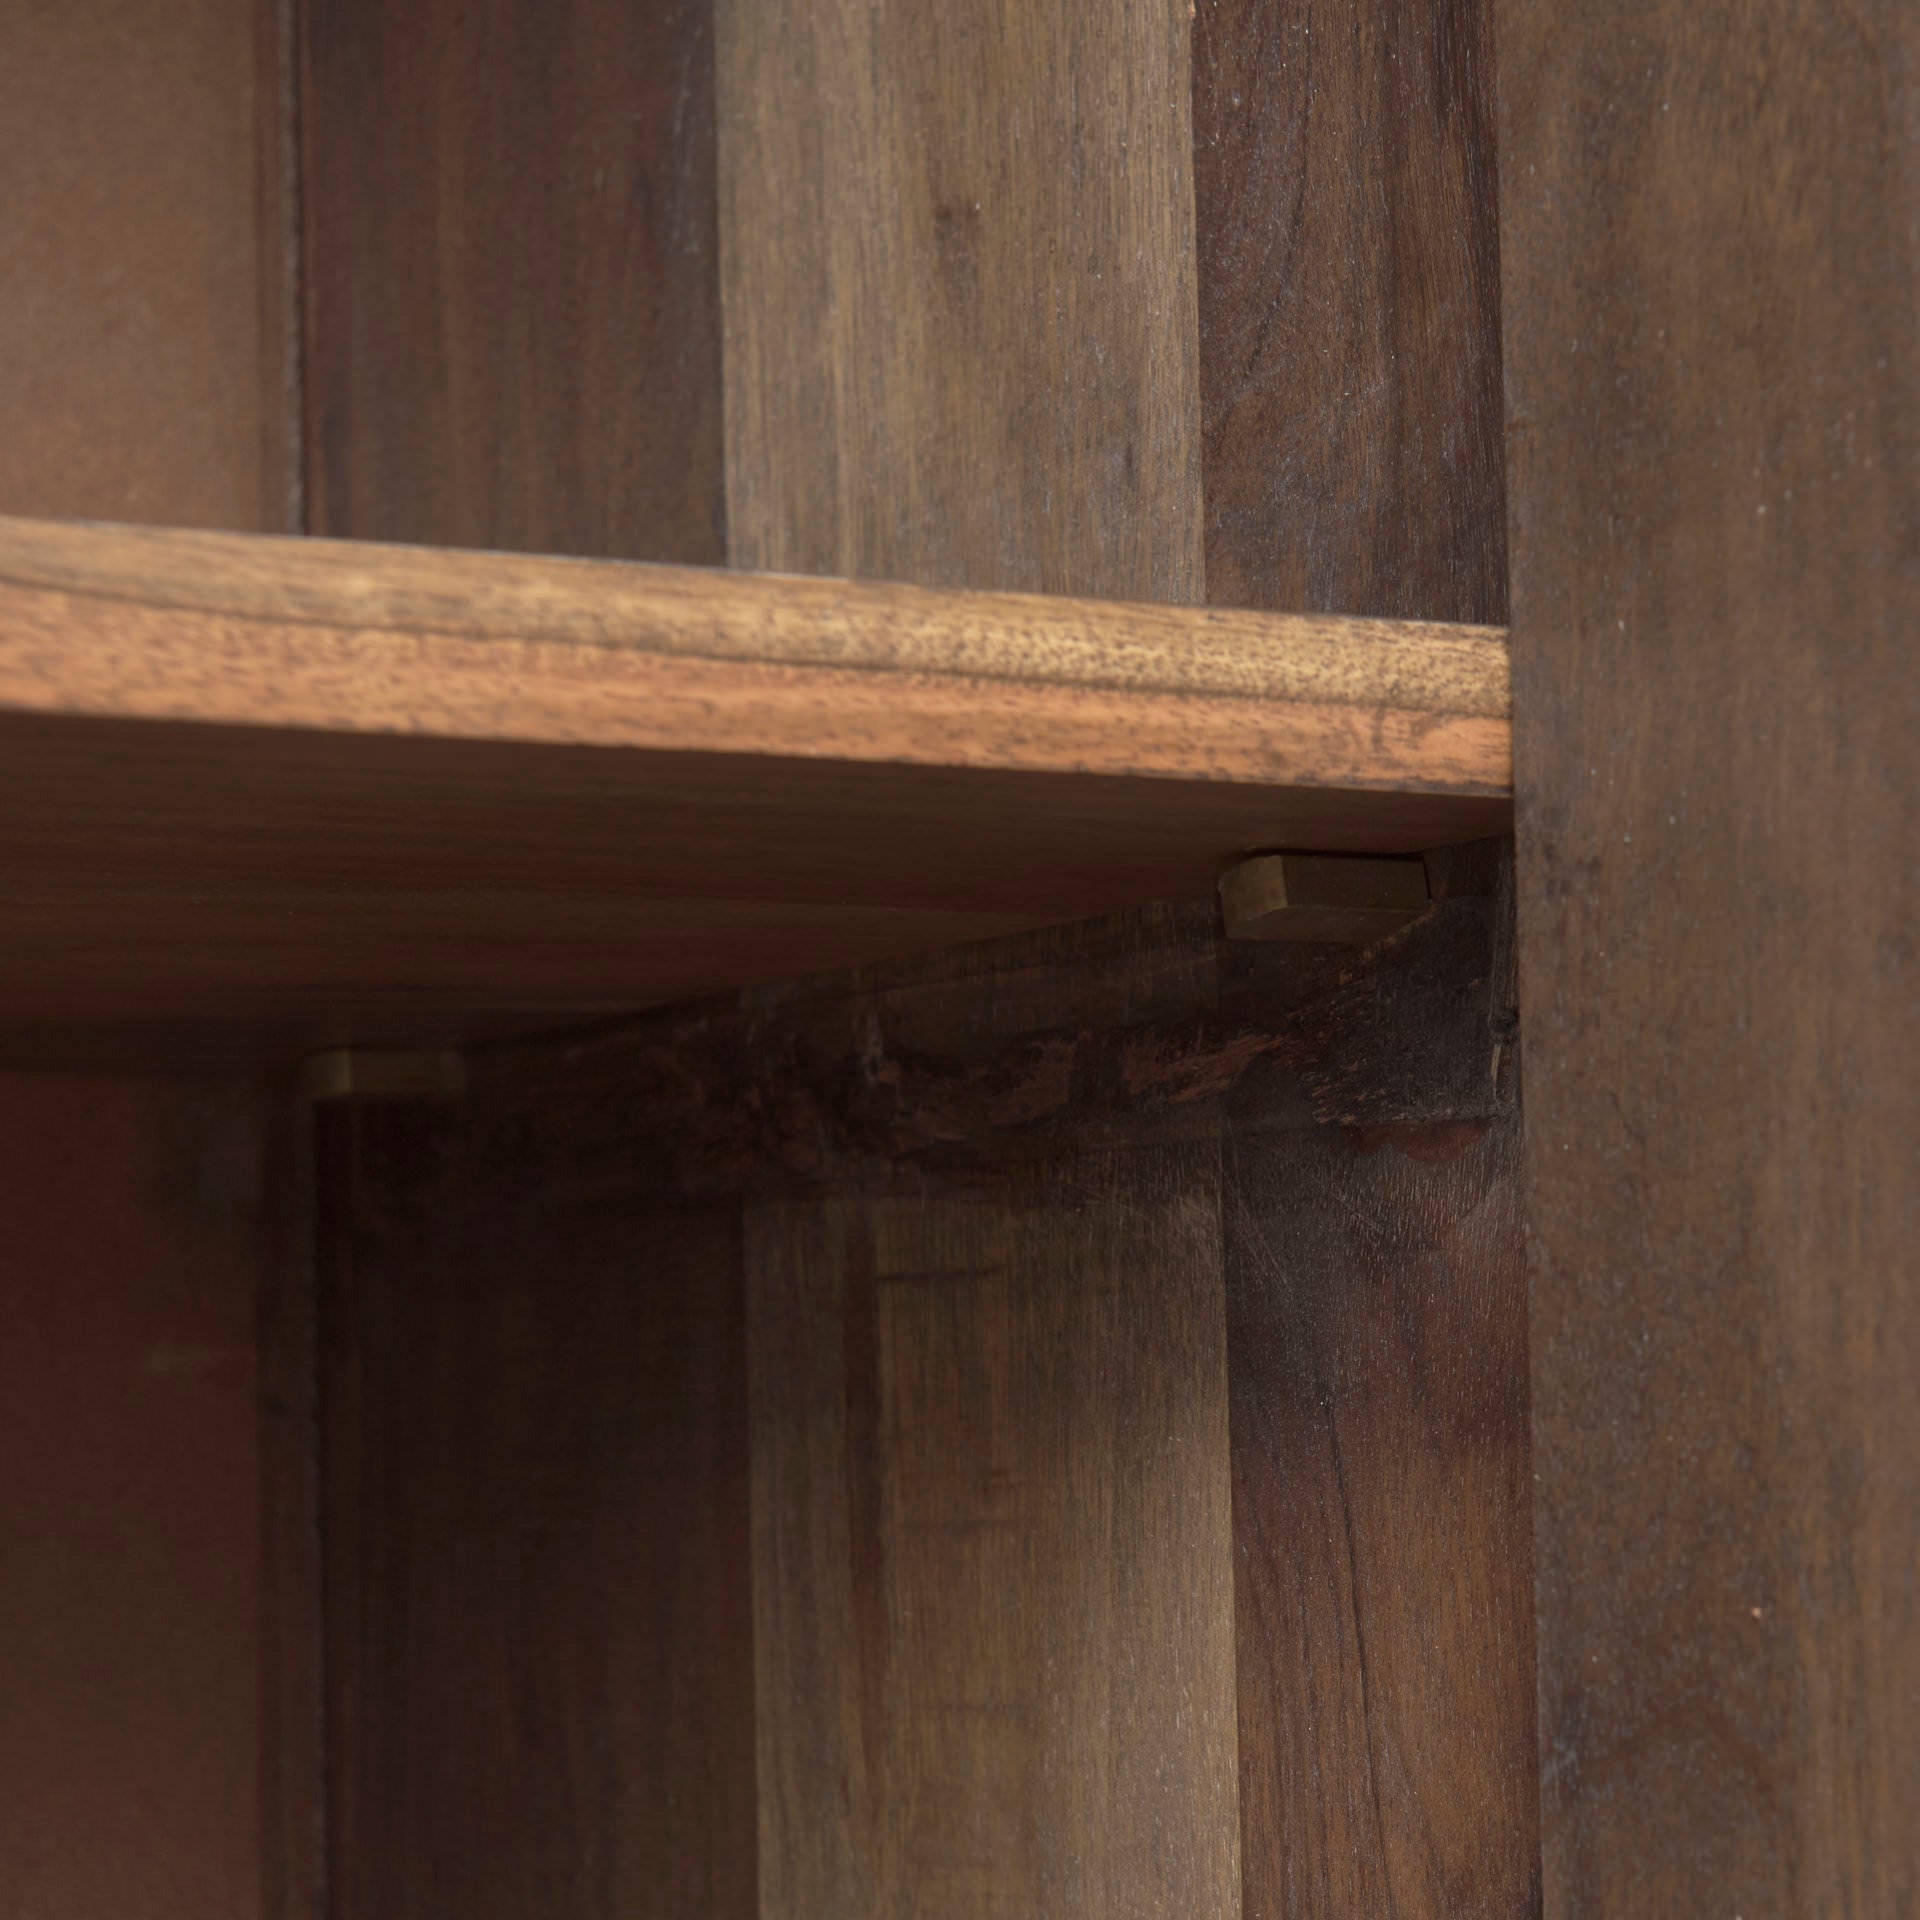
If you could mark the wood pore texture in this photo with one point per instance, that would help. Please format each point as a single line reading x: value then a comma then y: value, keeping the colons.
x: 1710, y: 260
x: 1352, y: 453
x: 991, y: 1516
x: 539, y: 1669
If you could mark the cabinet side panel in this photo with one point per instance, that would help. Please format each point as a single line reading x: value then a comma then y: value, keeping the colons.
x: 1712, y: 248
x: 131, y: 1239
x: 142, y: 1222
x: 141, y: 377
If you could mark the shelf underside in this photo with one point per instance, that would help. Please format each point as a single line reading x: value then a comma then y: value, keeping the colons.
x: 342, y: 791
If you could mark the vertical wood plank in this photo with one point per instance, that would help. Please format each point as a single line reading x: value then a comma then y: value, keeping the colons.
x: 990, y: 1515
x: 1710, y: 256
x: 1349, y: 300
x: 539, y: 1676
x: 512, y: 321
x: 957, y: 272
x: 1347, y: 231
x: 1377, y: 1327
x: 992, y: 1605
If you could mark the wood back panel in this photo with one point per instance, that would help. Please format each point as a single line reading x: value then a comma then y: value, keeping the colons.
x: 539, y: 1661
x: 1349, y: 298
x: 512, y: 302
x: 143, y: 376
x: 1710, y: 254
x: 957, y: 268
x: 142, y: 363
x: 132, y: 1218
x: 1012, y: 1409
x: 992, y: 1527
x: 538, y: 1629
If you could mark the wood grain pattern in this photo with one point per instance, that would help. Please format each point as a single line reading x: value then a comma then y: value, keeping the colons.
x: 145, y: 625
x: 540, y: 1677
x: 1352, y: 453
x: 929, y: 1160
x: 1710, y: 260
x: 991, y: 1526
x: 541, y: 1671
x: 477, y: 786
x: 1377, y: 1353
x: 512, y: 313
x: 957, y: 273
x: 1378, y: 1327
x: 130, y: 1570
x: 1349, y: 301
x: 991, y: 1556
x: 140, y: 375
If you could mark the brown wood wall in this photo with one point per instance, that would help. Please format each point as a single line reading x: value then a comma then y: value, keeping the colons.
x: 131, y: 1222
x: 142, y: 364
x: 141, y: 378
x: 1711, y: 260
x: 1131, y: 1520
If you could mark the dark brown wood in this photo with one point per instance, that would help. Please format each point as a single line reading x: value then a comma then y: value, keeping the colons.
x: 1349, y: 298
x: 540, y: 1668
x: 1709, y: 258
x: 539, y: 1637
x: 292, y: 1696
x: 1352, y: 458
x: 137, y: 380
x: 130, y: 1569
x: 1377, y: 1344
x: 1376, y: 1315
x: 929, y: 1159
x: 1087, y: 1040
x: 512, y: 307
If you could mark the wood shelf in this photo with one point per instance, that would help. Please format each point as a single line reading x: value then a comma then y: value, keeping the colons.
x: 368, y: 791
